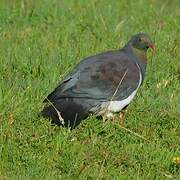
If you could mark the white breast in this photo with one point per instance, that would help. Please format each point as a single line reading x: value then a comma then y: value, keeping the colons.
x: 117, y: 106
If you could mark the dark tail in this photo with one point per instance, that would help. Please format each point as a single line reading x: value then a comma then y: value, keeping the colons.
x: 67, y: 112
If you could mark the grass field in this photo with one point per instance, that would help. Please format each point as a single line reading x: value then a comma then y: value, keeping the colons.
x: 42, y: 40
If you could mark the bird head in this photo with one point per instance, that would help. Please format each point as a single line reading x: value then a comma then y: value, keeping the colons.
x: 142, y: 42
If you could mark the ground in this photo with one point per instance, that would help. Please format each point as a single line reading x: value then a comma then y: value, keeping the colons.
x: 42, y: 40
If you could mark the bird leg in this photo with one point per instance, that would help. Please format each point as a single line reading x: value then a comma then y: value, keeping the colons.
x: 122, y: 117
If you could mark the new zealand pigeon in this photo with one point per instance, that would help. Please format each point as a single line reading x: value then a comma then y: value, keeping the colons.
x: 102, y: 84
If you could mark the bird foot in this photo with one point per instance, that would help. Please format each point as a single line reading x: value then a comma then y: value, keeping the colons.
x: 108, y: 116
x: 119, y: 118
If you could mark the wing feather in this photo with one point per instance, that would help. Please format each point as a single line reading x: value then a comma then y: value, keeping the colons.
x: 98, y: 77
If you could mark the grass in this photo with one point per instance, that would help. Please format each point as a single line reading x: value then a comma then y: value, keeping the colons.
x: 42, y: 40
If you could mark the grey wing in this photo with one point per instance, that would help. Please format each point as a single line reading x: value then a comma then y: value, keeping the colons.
x: 100, y: 77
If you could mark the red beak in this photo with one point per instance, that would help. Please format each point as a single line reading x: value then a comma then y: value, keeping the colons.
x: 152, y: 46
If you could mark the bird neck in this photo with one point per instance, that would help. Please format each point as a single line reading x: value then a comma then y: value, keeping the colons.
x: 140, y: 54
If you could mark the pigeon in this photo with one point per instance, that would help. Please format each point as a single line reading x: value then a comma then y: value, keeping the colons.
x: 100, y: 85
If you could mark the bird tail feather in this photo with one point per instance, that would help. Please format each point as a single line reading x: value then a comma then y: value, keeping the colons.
x: 65, y: 112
